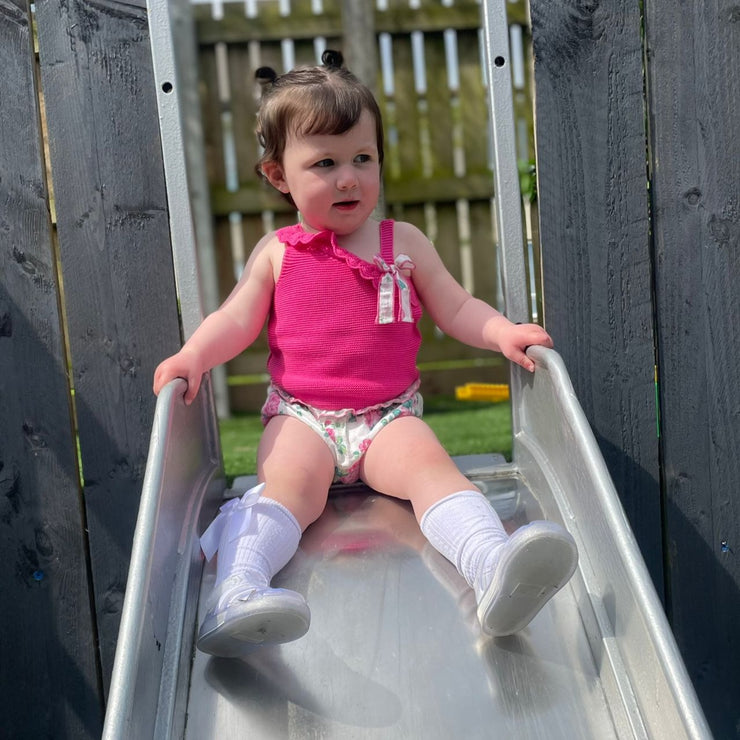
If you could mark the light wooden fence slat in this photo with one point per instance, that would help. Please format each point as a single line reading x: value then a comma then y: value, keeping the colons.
x: 117, y: 266
x: 49, y: 685
x: 485, y: 266
x: 694, y: 104
x: 407, y: 111
x: 439, y: 113
x: 211, y: 110
x: 243, y: 107
x: 473, y: 108
x: 595, y: 236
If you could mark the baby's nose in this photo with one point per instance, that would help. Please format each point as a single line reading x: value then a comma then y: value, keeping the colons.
x: 346, y: 178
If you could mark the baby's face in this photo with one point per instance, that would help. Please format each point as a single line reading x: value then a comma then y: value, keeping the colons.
x: 334, y: 180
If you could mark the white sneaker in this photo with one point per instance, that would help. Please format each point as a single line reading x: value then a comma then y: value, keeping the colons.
x: 535, y: 563
x: 242, y: 617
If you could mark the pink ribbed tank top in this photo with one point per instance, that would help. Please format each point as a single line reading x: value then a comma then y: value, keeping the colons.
x: 343, y: 333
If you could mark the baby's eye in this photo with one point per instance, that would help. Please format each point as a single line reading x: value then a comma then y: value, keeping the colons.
x: 363, y: 158
x: 324, y: 163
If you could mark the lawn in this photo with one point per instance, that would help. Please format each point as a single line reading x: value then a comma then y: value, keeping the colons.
x: 463, y: 427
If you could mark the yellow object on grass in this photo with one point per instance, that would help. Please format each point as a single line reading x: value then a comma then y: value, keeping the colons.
x: 482, y: 392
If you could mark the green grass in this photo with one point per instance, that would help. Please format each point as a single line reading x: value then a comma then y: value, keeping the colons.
x: 463, y: 427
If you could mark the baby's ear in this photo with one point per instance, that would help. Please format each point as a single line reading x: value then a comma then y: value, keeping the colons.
x: 273, y: 171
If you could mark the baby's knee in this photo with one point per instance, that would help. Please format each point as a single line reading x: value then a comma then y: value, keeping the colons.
x: 304, y: 497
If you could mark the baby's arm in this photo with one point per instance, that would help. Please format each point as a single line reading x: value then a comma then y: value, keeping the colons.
x: 228, y: 330
x: 459, y: 314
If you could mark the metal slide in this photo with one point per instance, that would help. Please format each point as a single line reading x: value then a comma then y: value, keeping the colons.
x: 394, y: 649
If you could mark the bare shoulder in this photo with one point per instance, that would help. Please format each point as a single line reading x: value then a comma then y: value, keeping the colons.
x: 412, y: 241
x: 267, y: 254
x: 405, y: 232
x: 269, y: 244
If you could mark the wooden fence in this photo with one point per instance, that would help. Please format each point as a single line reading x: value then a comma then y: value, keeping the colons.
x: 430, y: 83
x: 639, y: 229
x: 639, y: 195
x: 88, y: 307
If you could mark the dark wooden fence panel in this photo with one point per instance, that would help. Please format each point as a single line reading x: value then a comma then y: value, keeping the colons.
x: 49, y: 682
x: 624, y: 284
x: 595, y: 237
x: 694, y: 94
x: 117, y: 267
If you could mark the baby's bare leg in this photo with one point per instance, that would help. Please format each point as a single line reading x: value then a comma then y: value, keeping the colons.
x: 257, y: 535
x: 296, y: 466
x: 406, y: 460
x: 512, y: 577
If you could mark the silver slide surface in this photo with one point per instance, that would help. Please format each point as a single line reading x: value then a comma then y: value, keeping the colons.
x: 394, y: 649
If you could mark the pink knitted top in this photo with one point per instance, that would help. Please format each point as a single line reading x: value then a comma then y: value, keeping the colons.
x: 342, y: 332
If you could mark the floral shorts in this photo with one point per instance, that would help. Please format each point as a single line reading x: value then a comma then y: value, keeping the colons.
x: 347, y: 432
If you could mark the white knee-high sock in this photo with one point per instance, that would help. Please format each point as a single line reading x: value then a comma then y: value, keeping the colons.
x: 269, y: 541
x: 466, y: 529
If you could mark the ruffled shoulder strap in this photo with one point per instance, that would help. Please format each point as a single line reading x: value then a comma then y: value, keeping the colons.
x: 296, y: 235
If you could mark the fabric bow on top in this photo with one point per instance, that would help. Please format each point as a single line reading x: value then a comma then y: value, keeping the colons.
x: 233, y: 519
x: 390, y: 280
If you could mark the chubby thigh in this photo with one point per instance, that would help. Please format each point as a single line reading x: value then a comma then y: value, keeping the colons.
x: 396, y: 454
x: 406, y: 460
x: 296, y: 466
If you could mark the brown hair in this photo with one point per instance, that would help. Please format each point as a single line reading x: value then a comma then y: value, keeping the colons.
x: 327, y: 99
